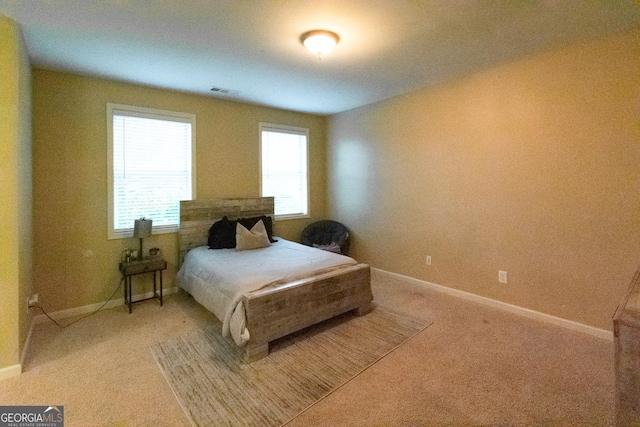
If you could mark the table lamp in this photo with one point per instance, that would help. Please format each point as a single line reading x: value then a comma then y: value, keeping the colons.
x: 141, y: 229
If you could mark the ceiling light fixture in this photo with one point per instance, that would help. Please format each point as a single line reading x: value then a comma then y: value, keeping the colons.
x: 320, y: 42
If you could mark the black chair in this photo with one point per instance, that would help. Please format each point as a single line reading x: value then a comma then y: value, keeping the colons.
x: 328, y: 235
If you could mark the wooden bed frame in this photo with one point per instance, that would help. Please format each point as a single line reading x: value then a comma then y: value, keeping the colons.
x: 277, y: 311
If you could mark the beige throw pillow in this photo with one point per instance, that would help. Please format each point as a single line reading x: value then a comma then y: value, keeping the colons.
x: 251, y: 239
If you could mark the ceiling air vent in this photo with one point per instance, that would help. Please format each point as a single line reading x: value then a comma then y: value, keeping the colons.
x: 220, y: 91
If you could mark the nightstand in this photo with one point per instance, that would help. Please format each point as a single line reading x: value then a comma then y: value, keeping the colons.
x: 141, y: 266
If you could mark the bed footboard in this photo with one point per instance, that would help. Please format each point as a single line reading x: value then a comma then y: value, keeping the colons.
x: 276, y: 312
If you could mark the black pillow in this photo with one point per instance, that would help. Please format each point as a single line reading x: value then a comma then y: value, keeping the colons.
x: 248, y: 223
x: 222, y: 234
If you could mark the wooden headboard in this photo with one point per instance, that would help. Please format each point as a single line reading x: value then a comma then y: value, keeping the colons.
x: 197, y: 216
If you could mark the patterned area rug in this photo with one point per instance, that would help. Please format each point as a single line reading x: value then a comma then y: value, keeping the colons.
x: 215, y: 388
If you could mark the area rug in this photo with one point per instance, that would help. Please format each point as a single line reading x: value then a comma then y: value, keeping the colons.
x: 215, y: 388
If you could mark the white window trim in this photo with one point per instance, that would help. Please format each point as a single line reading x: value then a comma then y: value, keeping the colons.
x: 291, y: 129
x: 152, y: 114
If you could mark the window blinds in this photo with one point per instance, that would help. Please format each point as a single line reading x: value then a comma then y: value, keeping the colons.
x: 284, y: 170
x: 152, y: 169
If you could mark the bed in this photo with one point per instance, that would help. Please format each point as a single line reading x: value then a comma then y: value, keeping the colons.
x: 284, y: 302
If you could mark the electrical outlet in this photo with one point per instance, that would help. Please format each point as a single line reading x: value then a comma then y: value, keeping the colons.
x: 502, y: 276
x: 428, y: 260
x: 34, y: 299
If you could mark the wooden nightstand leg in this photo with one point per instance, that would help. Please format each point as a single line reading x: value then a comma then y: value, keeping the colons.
x: 129, y: 294
x: 155, y: 294
x: 124, y: 286
x: 160, y: 288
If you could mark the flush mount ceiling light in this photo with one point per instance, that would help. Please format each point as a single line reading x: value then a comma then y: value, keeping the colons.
x: 320, y: 42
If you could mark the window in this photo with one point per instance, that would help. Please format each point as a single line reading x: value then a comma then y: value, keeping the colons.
x: 151, y: 167
x: 284, y: 169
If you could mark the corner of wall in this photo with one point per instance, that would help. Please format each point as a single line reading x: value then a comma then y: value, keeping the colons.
x: 15, y: 200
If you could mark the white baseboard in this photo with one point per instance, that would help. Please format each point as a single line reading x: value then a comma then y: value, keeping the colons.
x: 10, y: 371
x: 521, y: 311
x: 27, y: 341
x: 77, y: 311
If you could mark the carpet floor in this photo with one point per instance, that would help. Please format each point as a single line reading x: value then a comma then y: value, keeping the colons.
x: 215, y: 388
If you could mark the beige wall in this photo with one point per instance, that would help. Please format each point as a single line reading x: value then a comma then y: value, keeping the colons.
x: 15, y: 193
x: 75, y: 263
x: 531, y: 167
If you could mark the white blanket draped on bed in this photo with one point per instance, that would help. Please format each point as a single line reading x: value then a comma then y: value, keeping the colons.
x: 218, y: 279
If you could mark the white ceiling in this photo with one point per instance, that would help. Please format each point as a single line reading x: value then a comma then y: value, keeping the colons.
x: 252, y: 47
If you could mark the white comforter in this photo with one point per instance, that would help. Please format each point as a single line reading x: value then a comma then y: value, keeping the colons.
x: 218, y: 279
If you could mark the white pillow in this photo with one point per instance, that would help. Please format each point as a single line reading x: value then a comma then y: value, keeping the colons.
x: 251, y: 239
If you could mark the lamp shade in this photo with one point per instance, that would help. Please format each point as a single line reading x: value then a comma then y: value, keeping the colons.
x: 142, y: 228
